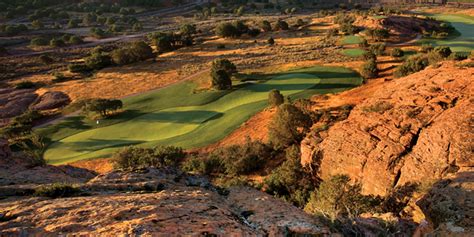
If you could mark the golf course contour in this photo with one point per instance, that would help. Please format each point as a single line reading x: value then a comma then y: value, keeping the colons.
x: 178, y: 115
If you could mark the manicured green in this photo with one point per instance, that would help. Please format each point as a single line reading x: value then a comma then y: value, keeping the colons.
x: 354, y: 52
x: 178, y: 116
x: 351, y: 39
x: 462, y: 42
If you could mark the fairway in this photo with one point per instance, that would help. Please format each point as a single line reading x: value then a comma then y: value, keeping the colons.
x: 178, y: 116
x: 354, y: 52
x: 464, y: 25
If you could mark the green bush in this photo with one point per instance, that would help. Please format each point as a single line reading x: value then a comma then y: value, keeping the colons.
x: 378, y: 49
x: 425, y: 48
x: 265, y: 26
x: 231, y: 160
x: 103, y: 107
x: 57, y: 43
x: 444, y: 51
x: 220, y: 80
x: 290, y: 181
x: 78, y: 68
x: 136, y: 157
x: 224, y: 64
x: 75, y: 40
x: 39, y: 41
x: 281, y: 25
x: 275, y: 98
x: 369, y: 69
x: 337, y: 197
x: 459, y: 56
x: 25, y: 85
x: 288, y: 126
x: 57, y: 190
x: 397, y: 53
x: 227, y: 30
x: 98, y: 61
x: 271, y: 41
x: 413, y: 64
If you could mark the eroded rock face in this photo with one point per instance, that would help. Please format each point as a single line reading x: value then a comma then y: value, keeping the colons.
x: 416, y: 128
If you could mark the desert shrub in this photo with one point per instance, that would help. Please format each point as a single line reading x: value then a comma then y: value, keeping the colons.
x: 290, y: 180
x: 369, y: 55
x: 244, y: 159
x: 413, y: 64
x: 224, y: 64
x: 275, y: 98
x: 227, y: 30
x: 187, y: 29
x: 103, y: 107
x: 397, y: 53
x: 39, y: 41
x: 133, y: 157
x: 253, y: 32
x: 3, y: 51
x: 57, y: 190
x: 98, y: 33
x: 75, y: 40
x: 288, y: 126
x: 98, y: 60
x: 364, y: 43
x: 46, y: 59
x: 58, y: 77
x: 220, y: 80
x: 378, y: 49
x: 459, y: 56
x: 207, y: 165
x: 443, y: 51
x: 348, y: 29
x: 281, y: 25
x: 369, y: 69
x: 300, y: 22
x: 134, y: 52
x: 379, y: 107
x: 271, y: 41
x: 78, y: 68
x: 344, y: 19
x: 377, y: 34
x: 57, y: 43
x: 73, y: 23
x: 425, y: 48
x: 25, y: 85
x: 265, y: 26
x: 337, y: 197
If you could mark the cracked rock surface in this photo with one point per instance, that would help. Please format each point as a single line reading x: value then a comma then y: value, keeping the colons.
x: 413, y: 129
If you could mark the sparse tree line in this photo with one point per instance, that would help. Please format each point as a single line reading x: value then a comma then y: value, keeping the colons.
x: 62, y: 41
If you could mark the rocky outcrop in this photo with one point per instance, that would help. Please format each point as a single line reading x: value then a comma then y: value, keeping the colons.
x: 52, y: 100
x: 414, y: 129
x: 449, y: 205
x: 159, y: 202
x: 14, y: 102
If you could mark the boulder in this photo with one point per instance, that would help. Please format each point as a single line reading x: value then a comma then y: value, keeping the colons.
x: 52, y: 100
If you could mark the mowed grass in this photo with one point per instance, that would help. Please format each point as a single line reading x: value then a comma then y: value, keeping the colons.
x: 351, y: 39
x: 464, y: 24
x: 178, y: 116
x: 354, y: 52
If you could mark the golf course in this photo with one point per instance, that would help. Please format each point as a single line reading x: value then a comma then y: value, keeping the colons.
x: 178, y: 115
x: 463, y: 41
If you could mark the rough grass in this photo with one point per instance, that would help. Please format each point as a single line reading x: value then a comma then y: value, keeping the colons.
x: 464, y: 24
x: 354, y: 52
x: 177, y: 116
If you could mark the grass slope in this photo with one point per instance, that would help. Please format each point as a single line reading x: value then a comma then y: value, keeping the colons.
x: 354, y: 52
x: 464, y: 25
x: 351, y: 39
x: 178, y: 116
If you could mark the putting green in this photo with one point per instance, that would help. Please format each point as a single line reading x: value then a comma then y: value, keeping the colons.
x: 464, y: 42
x: 177, y: 116
x: 351, y: 39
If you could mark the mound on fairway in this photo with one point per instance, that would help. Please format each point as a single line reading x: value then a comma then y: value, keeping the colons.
x: 177, y: 116
x: 464, y: 42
